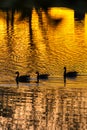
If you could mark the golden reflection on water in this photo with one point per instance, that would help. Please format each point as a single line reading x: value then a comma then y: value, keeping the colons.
x: 55, y: 44
x: 65, y: 42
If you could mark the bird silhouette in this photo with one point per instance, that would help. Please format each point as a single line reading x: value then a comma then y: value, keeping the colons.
x: 22, y: 78
x: 41, y: 76
x: 70, y: 75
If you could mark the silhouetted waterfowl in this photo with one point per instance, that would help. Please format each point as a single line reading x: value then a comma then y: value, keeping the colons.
x: 41, y: 76
x: 71, y: 74
x: 22, y: 78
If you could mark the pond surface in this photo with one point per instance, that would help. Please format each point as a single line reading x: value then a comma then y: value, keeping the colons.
x: 46, y: 106
x: 58, y: 41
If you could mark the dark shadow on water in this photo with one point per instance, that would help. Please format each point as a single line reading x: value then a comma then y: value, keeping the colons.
x: 5, y: 108
x: 10, y: 19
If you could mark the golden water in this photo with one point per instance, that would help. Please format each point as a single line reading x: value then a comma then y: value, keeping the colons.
x: 47, y: 105
x: 54, y: 45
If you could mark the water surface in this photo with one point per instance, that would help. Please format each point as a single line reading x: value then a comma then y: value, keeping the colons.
x: 58, y: 41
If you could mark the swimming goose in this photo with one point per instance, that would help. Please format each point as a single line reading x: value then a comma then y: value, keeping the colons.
x: 41, y: 76
x: 71, y: 74
x: 22, y: 78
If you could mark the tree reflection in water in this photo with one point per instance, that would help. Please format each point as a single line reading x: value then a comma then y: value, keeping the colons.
x: 26, y: 12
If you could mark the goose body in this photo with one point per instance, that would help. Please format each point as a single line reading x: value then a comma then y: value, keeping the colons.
x: 41, y: 76
x: 71, y: 74
x: 22, y: 78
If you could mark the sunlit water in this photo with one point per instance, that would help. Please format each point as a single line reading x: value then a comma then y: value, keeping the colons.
x: 48, y: 105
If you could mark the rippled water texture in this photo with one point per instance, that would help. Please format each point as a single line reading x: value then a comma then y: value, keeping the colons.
x: 56, y: 40
x: 42, y: 108
x: 55, y: 44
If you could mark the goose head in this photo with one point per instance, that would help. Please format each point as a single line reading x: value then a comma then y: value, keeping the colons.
x: 37, y: 72
x: 64, y: 68
x: 17, y: 72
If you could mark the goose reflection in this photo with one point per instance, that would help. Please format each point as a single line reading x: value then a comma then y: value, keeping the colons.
x: 41, y: 76
x: 22, y: 78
